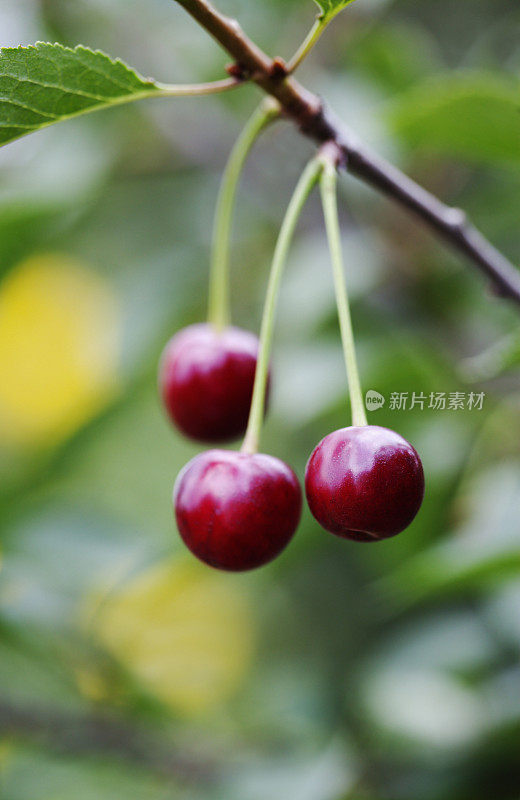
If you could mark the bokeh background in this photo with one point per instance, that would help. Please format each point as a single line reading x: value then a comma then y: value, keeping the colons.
x: 340, y: 671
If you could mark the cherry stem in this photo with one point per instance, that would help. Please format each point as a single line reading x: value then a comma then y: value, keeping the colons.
x: 304, y: 187
x: 328, y: 187
x: 308, y: 43
x: 219, y: 313
x: 196, y: 89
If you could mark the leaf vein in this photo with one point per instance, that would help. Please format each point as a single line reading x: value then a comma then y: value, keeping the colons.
x: 10, y: 101
x: 73, y: 92
x: 20, y: 125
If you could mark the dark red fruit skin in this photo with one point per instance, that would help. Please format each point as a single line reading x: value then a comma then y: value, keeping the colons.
x: 206, y: 381
x: 236, y: 511
x: 364, y: 483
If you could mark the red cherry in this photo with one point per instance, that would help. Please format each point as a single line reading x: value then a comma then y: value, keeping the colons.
x: 206, y: 381
x: 236, y: 511
x: 364, y: 483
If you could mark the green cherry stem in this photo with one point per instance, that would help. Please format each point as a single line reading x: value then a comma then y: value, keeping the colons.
x: 219, y: 303
x: 304, y: 187
x: 328, y: 186
x: 308, y: 43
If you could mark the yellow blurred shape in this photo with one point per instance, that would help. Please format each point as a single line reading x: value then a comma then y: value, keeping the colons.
x: 184, y: 631
x: 59, y: 344
x: 92, y: 684
x: 6, y: 749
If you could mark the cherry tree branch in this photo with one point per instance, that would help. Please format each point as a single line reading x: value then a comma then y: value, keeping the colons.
x: 319, y: 124
x: 95, y: 734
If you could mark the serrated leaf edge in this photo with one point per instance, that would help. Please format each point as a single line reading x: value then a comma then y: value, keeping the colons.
x: 150, y: 87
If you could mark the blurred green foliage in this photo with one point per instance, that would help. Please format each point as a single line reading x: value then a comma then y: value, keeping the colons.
x: 340, y: 671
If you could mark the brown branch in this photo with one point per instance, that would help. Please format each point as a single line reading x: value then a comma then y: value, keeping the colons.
x: 316, y: 122
x: 103, y: 736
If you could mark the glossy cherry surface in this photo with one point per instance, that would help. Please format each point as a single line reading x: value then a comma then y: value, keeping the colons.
x: 236, y: 511
x: 206, y: 381
x: 364, y: 483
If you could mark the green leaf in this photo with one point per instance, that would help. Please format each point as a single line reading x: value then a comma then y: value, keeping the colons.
x: 472, y: 116
x: 48, y: 83
x: 329, y: 8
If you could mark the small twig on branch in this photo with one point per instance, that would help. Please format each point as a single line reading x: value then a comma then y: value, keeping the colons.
x: 316, y: 122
